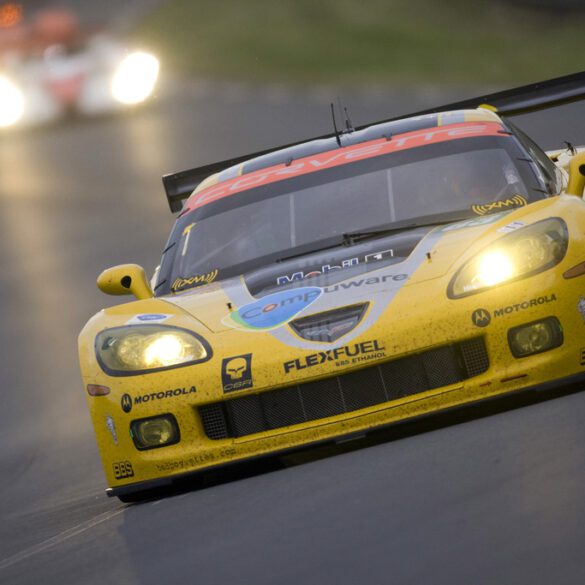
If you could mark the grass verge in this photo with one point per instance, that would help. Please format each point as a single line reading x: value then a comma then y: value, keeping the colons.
x: 368, y: 41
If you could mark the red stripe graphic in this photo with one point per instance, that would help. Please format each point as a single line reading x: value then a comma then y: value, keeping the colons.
x: 341, y: 156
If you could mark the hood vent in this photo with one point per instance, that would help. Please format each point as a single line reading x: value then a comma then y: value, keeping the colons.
x: 330, y: 325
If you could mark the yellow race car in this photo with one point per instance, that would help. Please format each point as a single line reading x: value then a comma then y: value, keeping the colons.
x: 319, y: 291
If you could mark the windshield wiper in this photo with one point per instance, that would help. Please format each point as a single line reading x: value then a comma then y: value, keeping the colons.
x: 352, y: 238
x: 306, y: 252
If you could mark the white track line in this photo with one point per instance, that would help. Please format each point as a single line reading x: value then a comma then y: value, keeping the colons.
x: 58, y: 539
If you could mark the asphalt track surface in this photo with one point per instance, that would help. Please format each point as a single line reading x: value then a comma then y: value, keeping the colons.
x: 483, y: 499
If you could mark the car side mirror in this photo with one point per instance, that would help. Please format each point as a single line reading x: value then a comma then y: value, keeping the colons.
x: 576, y: 175
x: 125, y: 279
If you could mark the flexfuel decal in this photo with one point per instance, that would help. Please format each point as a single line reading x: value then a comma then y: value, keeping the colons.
x: 341, y: 356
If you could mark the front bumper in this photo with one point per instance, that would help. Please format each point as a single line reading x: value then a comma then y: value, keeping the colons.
x: 420, y: 321
x: 573, y: 382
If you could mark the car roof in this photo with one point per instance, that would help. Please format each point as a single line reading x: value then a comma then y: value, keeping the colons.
x: 376, y: 131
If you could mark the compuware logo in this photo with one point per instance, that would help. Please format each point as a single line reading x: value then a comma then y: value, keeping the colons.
x: 273, y: 310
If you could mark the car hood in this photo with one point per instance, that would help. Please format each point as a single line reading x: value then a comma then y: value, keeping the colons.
x: 369, y: 275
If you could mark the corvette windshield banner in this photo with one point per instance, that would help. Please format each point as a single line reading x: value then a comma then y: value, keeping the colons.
x: 341, y: 156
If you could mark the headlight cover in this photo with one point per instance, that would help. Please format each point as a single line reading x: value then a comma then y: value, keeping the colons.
x: 523, y: 253
x: 140, y: 349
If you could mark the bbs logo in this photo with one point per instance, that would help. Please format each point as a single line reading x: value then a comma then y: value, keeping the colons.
x: 123, y: 469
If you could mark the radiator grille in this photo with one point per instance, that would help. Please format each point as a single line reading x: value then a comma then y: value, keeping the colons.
x: 283, y: 407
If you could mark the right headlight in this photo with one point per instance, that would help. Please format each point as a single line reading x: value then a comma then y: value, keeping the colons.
x: 522, y: 253
x: 134, y: 349
x: 11, y: 102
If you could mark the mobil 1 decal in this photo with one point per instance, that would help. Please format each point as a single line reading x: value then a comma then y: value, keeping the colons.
x: 236, y: 373
x: 299, y: 275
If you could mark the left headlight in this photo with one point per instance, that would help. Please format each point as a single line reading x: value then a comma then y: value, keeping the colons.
x: 11, y: 102
x: 133, y: 349
x: 135, y: 78
x: 525, y: 252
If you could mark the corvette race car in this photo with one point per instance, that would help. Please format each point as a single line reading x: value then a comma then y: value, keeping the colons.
x: 315, y: 292
x: 52, y: 67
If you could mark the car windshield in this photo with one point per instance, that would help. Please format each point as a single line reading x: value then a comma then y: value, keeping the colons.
x: 244, y: 231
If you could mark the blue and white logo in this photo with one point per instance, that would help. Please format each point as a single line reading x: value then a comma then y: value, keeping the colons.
x: 148, y: 318
x: 273, y: 310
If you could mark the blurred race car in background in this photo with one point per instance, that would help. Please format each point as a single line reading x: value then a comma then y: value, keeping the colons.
x: 51, y: 67
x: 315, y: 292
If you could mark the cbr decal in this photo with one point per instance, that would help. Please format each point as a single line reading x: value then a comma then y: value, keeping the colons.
x: 273, y: 310
x: 515, y: 201
x: 236, y: 373
x: 194, y: 280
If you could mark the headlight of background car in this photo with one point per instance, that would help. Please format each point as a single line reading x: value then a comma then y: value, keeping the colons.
x: 134, y: 78
x: 11, y: 102
x: 123, y: 351
x: 520, y: 254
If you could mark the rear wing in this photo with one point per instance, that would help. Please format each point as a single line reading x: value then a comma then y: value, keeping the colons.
x: 511, y: 102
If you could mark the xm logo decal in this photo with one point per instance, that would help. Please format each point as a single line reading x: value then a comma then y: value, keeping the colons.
x: 515, y: 201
